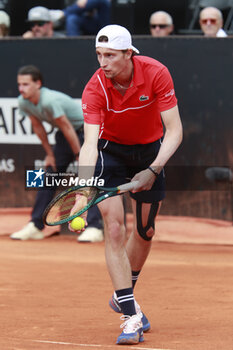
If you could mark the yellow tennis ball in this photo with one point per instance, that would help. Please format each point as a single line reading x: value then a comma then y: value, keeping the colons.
x: 78, y: 223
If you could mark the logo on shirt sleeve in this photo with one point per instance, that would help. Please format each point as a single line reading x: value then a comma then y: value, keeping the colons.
x: 170, y: 93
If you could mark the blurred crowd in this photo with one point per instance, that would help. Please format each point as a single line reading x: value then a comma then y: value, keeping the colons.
x: 86, y: 17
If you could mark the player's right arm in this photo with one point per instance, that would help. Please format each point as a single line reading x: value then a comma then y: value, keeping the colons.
x: 40, y: 131
x: 87, y: 161
x: 93, y: 102
x: 89, y: 151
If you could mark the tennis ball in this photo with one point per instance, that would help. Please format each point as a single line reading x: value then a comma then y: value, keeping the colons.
x: 78, y: 223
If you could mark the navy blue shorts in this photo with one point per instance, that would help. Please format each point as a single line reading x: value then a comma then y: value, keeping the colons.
x: 117, y: 164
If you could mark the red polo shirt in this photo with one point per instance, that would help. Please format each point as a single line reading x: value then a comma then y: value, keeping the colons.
x: 135, y: 117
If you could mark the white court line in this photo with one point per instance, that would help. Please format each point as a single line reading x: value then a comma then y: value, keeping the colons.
x: 94, y: 345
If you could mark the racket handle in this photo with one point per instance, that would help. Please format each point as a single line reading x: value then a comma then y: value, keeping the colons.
x: 128, y: 187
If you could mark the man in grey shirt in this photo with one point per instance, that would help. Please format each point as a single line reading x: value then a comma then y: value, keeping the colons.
x: 60, y: 110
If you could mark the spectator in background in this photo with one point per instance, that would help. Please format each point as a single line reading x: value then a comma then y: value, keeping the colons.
x: 4, y: 24
x: 211, y: 22
x: 41, y: 25
x: 84, y: 17
x: 161, y: 24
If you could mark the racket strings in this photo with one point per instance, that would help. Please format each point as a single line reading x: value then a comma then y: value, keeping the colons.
x: 69, y: 204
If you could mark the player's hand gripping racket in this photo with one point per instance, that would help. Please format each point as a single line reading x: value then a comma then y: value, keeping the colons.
x: 76, y: 200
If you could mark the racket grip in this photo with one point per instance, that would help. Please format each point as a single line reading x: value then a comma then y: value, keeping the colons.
x: 128, y: 187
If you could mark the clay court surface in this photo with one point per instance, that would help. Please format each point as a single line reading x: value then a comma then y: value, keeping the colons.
x: 54, y: 293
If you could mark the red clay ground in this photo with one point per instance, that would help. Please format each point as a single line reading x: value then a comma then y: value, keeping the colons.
x: 54, y: 293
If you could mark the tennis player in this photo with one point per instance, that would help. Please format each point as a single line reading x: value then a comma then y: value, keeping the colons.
x: 125, y: 104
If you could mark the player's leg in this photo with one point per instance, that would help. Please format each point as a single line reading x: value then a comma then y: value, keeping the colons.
x: 138, y: 247
x: 139, y: 243
x: 119, y: 268
x: 145, y: 205
x: 116, y: 257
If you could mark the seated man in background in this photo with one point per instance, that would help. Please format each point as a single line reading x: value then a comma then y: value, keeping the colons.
x: 211, y: 22
x: 161, y: 24
x: 84, y: 17
x: 41, y: 25
x: 4, y: 24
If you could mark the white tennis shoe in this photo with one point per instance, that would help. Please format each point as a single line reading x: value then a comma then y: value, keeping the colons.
x: 30, y: 231
x: 132, y: 330
x: 91, y: 235
x: 114, y: 304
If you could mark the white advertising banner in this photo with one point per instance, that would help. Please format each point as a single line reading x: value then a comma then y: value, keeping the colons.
x: 17, y: 129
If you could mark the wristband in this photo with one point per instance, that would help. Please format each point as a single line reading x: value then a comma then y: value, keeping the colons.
x: 153, y: 171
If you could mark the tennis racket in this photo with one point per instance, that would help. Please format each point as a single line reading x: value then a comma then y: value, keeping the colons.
x: 76, y: 200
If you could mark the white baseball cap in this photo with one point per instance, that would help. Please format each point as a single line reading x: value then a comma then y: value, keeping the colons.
x: 39, y: 13
x: 4, y: 19
x: 119, y: 38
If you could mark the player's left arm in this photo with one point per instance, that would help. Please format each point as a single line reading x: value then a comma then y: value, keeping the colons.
x: 172, y: 139
x: 68, y: 131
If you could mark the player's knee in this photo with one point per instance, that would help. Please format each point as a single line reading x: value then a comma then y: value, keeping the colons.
x: 115, y: 233
x: 146, y: 230
x: 150, y: 233
x: 146, y: 235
